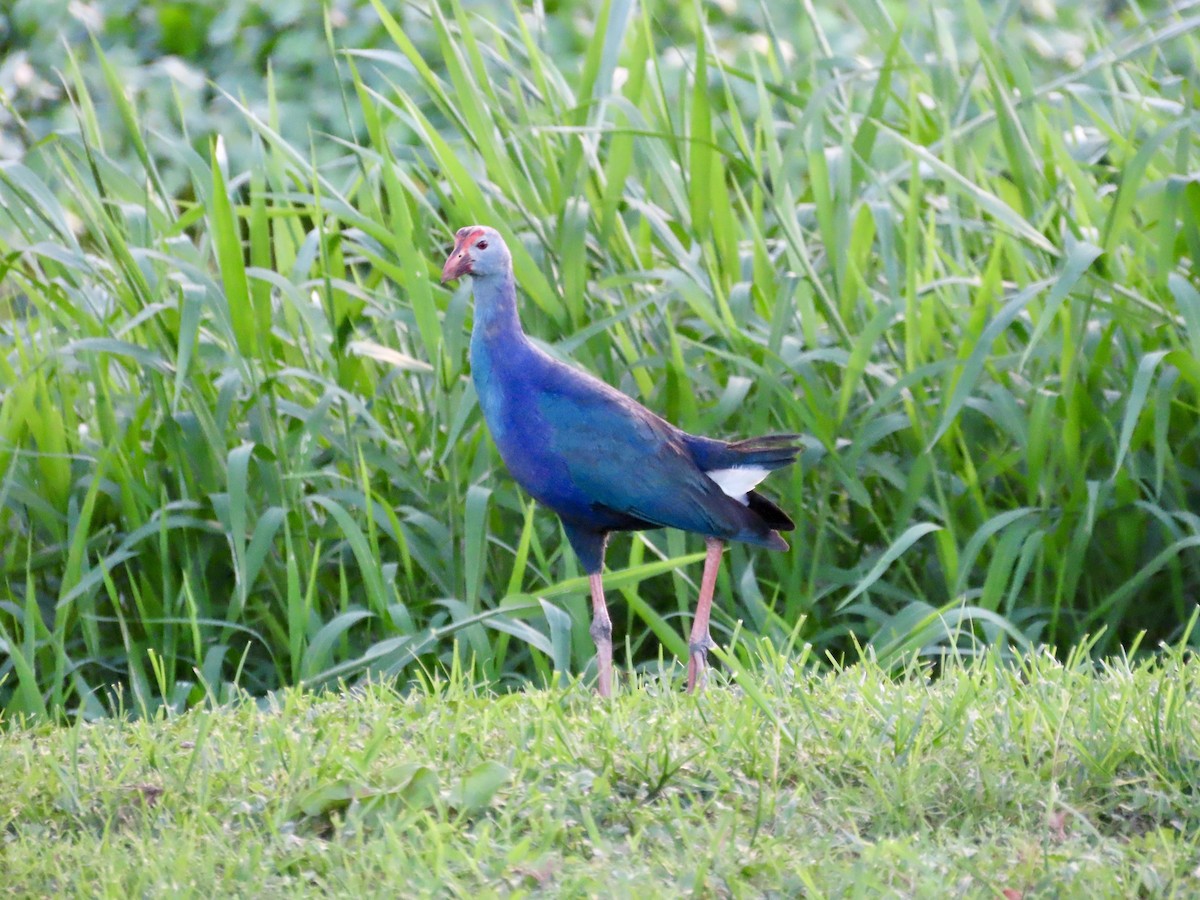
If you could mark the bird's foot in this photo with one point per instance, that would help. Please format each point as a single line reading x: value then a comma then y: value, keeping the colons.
x: 702, y: 646
x: 698, y: 663
x: 601, y: 632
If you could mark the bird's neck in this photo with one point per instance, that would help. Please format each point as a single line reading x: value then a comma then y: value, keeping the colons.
x: 496, y: 316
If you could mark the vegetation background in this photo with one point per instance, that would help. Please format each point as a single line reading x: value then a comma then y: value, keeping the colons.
x: 954, y: 245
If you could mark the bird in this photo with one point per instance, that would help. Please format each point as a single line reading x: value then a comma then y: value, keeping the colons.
x: 602, y: 461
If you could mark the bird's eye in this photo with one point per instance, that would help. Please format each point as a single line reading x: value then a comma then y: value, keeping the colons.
x: 482, y: 245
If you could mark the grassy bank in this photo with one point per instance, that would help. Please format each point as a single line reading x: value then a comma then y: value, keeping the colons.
x: 1043, y: 779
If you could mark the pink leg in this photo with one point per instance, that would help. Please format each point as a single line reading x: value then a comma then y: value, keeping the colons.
x: 601, y: 632
x: 700, y: 640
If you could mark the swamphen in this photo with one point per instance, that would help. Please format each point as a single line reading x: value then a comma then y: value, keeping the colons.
x: 602, y: 461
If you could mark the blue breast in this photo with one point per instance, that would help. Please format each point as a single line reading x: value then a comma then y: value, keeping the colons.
x: 509, y: 379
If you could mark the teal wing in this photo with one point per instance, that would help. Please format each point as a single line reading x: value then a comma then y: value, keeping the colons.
x: 622, y: 458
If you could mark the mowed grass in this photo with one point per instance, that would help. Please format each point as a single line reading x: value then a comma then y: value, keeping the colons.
x: 953, y: 247
x: 1042, y: 779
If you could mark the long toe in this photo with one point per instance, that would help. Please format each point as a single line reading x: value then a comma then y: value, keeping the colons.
x: 601, y: 632
x: 698, y: 663
x: 603, y: 640
x: 604, y: 668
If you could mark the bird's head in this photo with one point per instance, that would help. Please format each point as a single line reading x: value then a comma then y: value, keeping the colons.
x: 479, y: 251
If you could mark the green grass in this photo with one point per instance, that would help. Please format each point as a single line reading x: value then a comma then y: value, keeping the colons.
x: 1045, y: 779
x: 239, y: 448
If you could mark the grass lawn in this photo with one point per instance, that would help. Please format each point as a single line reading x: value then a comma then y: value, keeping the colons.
x: 956, y: 250
x: 994, y: 779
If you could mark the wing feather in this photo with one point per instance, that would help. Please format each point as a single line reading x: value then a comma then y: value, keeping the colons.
x: 629, y: 460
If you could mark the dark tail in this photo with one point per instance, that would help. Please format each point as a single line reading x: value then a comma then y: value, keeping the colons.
x: 775, y: 518
x: 771, y: 451
x: 762, y: 519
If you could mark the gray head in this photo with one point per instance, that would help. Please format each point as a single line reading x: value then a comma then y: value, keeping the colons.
x: 479, y: 251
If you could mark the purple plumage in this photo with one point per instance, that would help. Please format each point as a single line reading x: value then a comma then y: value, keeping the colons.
x: 599, y: 459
